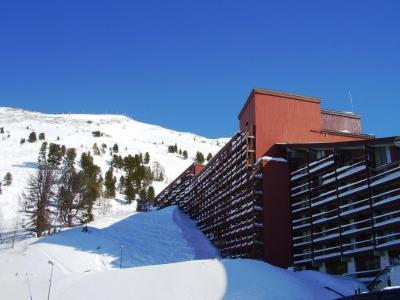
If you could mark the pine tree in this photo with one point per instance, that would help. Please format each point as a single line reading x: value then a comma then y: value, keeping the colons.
x: 7, y: 179
x: 115, y: 148
x: 185, y: 154
x: 71, y: 190
x: 63, y: 150
x: 96, y: 150
x: 146, y: 158
x: 32, y: 137
x: 42, y: 137
x: 40, y: 190
x: 130, y: 192
x: 121, y: 183
x: 199, y: 157
x: 209, y: 156
x: 42, y: 160
x: 55, y: 155
x: 150, y: 193
x: 109, y: 183
x: 142, y: 194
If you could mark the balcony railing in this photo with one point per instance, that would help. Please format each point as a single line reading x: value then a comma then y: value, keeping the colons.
x: 386, y: 173
x: 386, y: 197
x: 359, y: 246
x: 387, y: 240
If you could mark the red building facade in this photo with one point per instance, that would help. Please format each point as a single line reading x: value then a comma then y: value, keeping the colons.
x: 241, y: 199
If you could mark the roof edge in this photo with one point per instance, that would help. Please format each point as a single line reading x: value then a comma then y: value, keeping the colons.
x: 278, y: 94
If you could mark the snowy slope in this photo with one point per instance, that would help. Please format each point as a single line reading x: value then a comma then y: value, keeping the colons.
x: 75, y: 130
x: 164, y: 257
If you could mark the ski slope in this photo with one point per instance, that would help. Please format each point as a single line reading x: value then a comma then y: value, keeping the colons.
x: 164, y: 256
x: 75, y: 130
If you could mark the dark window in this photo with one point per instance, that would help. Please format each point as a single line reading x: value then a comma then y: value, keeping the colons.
x: 380, y: 155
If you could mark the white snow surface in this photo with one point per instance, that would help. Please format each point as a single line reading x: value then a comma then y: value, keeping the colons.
x: 75, y: 130
x: 164, y: 256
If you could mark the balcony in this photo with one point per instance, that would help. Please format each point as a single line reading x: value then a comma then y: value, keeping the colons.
x: 388, y: 240
x: 325, y: 253
x: 326, y: 235
x: 354, y: 207
x: 353, y: 187
x: 304, y: 257
x: 390, y: 218
x: 385, y: 174
x: 356, y: 227
x: 386, y: 197
x: 356, y: 247
x: 321, y: 164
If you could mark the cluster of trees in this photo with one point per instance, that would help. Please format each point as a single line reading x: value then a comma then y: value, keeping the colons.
x: 200, y: 157
x: 32, y: 138
x: 58, y: 193
x: 2, y: 132
x: 174, y: 149
x: 97, y: 133
x: 136, y: 183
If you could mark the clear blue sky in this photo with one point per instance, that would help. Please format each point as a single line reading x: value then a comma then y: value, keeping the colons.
x: 190, y: 65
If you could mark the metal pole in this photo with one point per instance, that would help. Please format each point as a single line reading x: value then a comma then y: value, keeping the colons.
x: 51, y: 276
x: 120, y: 257
x: 29, y: 286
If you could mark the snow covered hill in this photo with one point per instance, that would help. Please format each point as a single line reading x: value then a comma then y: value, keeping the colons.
x: 75, y: 130
x: 127, y: 255
x: 164, y: 256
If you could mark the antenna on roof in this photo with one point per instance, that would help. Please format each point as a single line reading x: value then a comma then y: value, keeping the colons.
x: 351, y: 101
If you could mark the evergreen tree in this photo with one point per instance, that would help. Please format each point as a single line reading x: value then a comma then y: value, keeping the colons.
x: 22, y: 141
x: 55, y: 155
x: 96, y: 150
x: 7, y: 179
x: 146, y: 158
x: 209, y: 156
x: 185, y: 154
x: 142, y: 194
x: 121, y: 183
x: 115, y: 148
x: 199, y: 157
x: 130, y: 192
x: 42, y: 136
x: 109, y: 183
x: 63, y: 150
x: 37, y: 197
x: 97, y: 133
x: 32, y: 137
x: 92, y: 185
x: 42, y: 160
x: 150, y: 193
x: 71, y: 190
x: 180, y: 151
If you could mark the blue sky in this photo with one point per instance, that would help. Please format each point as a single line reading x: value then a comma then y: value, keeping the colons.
x: 190, y: 65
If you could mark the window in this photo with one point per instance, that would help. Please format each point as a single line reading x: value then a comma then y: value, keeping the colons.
x: 380, y: 155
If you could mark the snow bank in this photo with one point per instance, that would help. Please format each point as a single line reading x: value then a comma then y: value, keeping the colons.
x: 164, y: 256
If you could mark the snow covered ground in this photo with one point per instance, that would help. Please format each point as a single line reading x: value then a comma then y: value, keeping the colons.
x: 127, y: 255
x: 164, y: 256
x: 75, y: 130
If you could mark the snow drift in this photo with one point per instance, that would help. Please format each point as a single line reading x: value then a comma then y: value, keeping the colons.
x: 164, y: 256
